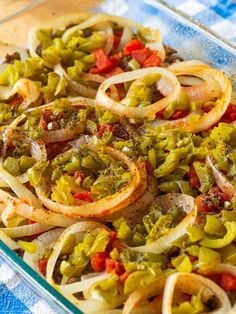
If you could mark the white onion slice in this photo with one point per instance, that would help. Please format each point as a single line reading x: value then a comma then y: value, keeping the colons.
x: 82, y: 285
x: 43, y: 242
x: 131, y: 304
x: 20, y: 190
x: 192, y: 284
x: 208, y: 74
x: 108, y: 103
x: 8, y: 241
x: 63, y: 134
x: 80, y: 227
x: 167, y: 201
x: 81, y: 89
x: 221, y: 181
x: 109, y: 38
x: 44, y: 216
x: 26, y: 230
x: 106, y: 205
x: 6, y: 48
x: 27, y: 89
x: 9, y: 213
x: 57, y: 23
x: 125, y: 38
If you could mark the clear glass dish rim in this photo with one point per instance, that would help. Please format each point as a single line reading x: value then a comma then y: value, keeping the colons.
x: 186, y: 19
x: 26, y: 271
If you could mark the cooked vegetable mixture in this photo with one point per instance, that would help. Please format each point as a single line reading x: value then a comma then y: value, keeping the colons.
x: 118, y: 168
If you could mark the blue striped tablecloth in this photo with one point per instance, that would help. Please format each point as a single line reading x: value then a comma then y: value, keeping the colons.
x: 17, y: 296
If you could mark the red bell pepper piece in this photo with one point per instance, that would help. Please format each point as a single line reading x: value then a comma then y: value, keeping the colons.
x: 42, y: 265
x: 134, y: 44
x: 153, y: 61
x: 227, y: 282
x: 98, y: 261
x: 84, y: 196
x: 141, y: 55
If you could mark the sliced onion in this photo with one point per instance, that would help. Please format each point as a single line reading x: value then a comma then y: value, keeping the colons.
x: 44, y: 216
x: 82, y: 285
x: 9, y: 213
x: 166, y: 202
x: 60, y: 23
x: 126, y: 37
x: 9, y: 131
x: 189, y: 80
x: 79, y: 227
x: 83, y: 139
x: 207, y: 74
x: 26, y: 230
x: 97, y: 78
x: 43, y: 242
x: 8, y: 241
x: 221, y: 268
x: 19, y: 189
x: 106, y: 205
x: 90, y: 306
x: 221, y: 181
x: 6, y: 49
x: 108, y: 103
x: 142, y: 294
x: 159, y: 47
x: 193, y: 284
x: 63, y: 134
x: 37, y: 149
x: 134, y: 212
x: 79, y: 88
x: 101, y: 18
x: 27, y: 89
x: 109, y: 38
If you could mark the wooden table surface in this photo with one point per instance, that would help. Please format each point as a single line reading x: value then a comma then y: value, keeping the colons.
x: 15, y: 31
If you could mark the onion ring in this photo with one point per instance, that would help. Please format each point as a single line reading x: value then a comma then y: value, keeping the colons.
x: 106, y: 102
x: 192, y: 283
x: 167, y: 201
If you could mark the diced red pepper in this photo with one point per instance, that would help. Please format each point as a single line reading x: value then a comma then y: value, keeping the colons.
x: 15, y: 101
x: 227, y: 282
x: 110, y: 265
x: 103, y: 128
x: 204, y: 205
x: 103, y: 63
x: 230, y: 114
x: 84, y: 196
x: 141, y: 55
x: 98, y: 261
x: 123, y: 277
x: 115, y: 71
x: 42, y: 265
x: 117, y: 245
x: 133, y: 45
x: 120, y: 269
x: 193, y: 178
x: 114, y: 265
x: 113, y: 235
x: 31, y: 222
x: 153, y: 61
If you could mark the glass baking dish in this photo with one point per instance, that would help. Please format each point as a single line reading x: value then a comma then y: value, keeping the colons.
x: 191, y: 39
